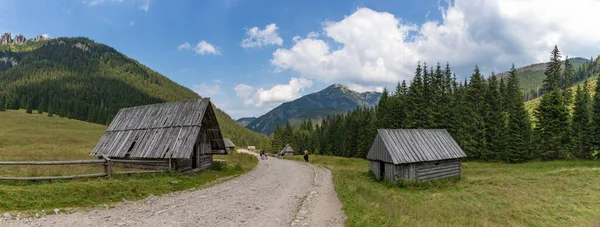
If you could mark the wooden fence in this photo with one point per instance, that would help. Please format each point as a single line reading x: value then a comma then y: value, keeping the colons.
x: 106, y: 162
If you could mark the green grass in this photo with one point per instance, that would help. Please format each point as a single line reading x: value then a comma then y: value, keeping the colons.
x: 38, y: 137
x: 561, y: 193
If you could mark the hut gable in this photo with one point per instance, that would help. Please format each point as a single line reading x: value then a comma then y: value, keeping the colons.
x: 228, y: 143
x: 288, y: 149
x: 165, y: 130
x: 402, y: 146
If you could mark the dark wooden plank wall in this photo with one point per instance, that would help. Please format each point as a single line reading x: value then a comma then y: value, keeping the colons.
x: 436, y: 170
x: 379, y: 152
x: 375, y: 169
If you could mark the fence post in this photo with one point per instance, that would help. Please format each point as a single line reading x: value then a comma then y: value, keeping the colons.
x: 107, y: 166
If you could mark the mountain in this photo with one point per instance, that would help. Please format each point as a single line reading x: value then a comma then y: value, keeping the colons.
x: 81, y: 79
x: 332, y: 100
x: 531, y: 76
x: 245, y: 121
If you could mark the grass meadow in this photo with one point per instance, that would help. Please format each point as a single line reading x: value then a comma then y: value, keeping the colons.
x: 25, y: 137
x: 559, y: 193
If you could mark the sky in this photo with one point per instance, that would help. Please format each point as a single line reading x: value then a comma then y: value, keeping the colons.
x: 250, y: 56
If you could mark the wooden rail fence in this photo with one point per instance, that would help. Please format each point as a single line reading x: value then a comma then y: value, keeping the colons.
x: 106, y: 162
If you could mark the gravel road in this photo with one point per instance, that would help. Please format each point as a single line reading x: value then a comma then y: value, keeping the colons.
x: 276, y: 193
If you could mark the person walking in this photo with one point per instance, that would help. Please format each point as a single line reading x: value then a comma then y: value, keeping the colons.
x: 306, y: 155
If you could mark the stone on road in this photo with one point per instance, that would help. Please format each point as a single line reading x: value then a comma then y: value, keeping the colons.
x: 275, y: 193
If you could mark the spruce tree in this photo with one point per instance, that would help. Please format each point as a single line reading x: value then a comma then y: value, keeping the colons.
x: 595, y: 135
x: 518, y: 133
x: 581, y: 122
x: 552, y: 115
x: 494, y: 121
x: 474, y: 125
x: 383, y: 110
x: 415, y: 101
x: 29, y: 109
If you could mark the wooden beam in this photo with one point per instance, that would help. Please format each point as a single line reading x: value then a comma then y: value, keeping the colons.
x: 54, y: 162
x: 55, y: 177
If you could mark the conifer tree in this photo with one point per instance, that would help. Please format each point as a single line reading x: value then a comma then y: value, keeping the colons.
x: 29, y: 109
x: 474, y: 125
x: 494, y: 121
x: 581, y: 122
x: 595, y: 135
x: 552, y: 114
x: 383, y: 110
x: 518, y: 127
x: 415, y: 101
x: 50, y: 111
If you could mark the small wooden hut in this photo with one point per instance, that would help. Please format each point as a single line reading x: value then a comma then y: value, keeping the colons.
x: 186, y: 134
x: 287, y: 150
x: 228, y: 144
x: 415, y: 154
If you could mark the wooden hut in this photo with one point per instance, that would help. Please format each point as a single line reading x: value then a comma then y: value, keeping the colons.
x: 186, y: 134
x: 228, y: 144
x: 415, y: 154
x: 287, y: 150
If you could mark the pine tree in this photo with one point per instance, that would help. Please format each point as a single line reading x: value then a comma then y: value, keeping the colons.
x: 2, y: 103
x: 50, y: 111
x: 552, y: 115
x: 518, y: 127
x: 494, y: 121
x: 474, y: 125
x: 595, y: 135
x: 581, y: 122
x: 383, y: 110
x: 29, y: 109
x: 415, y: 101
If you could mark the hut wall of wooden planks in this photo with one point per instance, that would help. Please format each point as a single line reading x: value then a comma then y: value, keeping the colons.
x: 414, y: 155
x: 186, y: 133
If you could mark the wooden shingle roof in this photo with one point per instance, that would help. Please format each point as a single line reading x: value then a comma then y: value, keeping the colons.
x: 165, y: 130
x: 288, y: 149
x: 228, y: 143
x: 401, y: 146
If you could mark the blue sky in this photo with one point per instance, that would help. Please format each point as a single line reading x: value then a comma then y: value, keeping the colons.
x: 294, y: 48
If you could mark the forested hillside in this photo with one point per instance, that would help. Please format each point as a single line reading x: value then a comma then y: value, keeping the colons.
x: 532, y: 76
x: 487, y: 117
x: 81, y: 79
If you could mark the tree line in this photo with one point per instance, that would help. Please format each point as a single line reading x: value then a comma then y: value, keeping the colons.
x: 486, y: 116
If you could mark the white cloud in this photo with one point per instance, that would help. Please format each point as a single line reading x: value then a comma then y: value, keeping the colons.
x: 45, y: 35
x: 145, y: 5
x: 259, y: 38
x: 379, y: 49
x: 273, y: 96
x: 245, y: 93
x: 360, y: 88
x: 184, y: 46
x: 205, y: 90
x: 201, y: 48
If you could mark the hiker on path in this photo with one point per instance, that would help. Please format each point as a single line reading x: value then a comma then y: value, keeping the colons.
x: 306, y: 155
x: 281, y: 154
x: 262, y: 154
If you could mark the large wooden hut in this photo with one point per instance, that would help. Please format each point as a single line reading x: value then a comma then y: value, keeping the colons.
x: 415, y: 154
x: 186, y: 134
x: 287, y: 150
x: 229, y: 145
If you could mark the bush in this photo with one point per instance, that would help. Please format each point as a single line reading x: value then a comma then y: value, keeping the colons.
x: 219, y: 166
x: 238, y: 167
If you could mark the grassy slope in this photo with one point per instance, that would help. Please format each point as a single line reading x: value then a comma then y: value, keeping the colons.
x: 531, y: 105
x: 37, y: 137
x: 489, y: 194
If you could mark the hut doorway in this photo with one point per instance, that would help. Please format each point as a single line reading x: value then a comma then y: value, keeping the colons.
x: 381, y: 170
x: 195, y: 157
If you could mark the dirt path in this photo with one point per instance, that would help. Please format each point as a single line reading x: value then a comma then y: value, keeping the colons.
x: 276, y: 193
